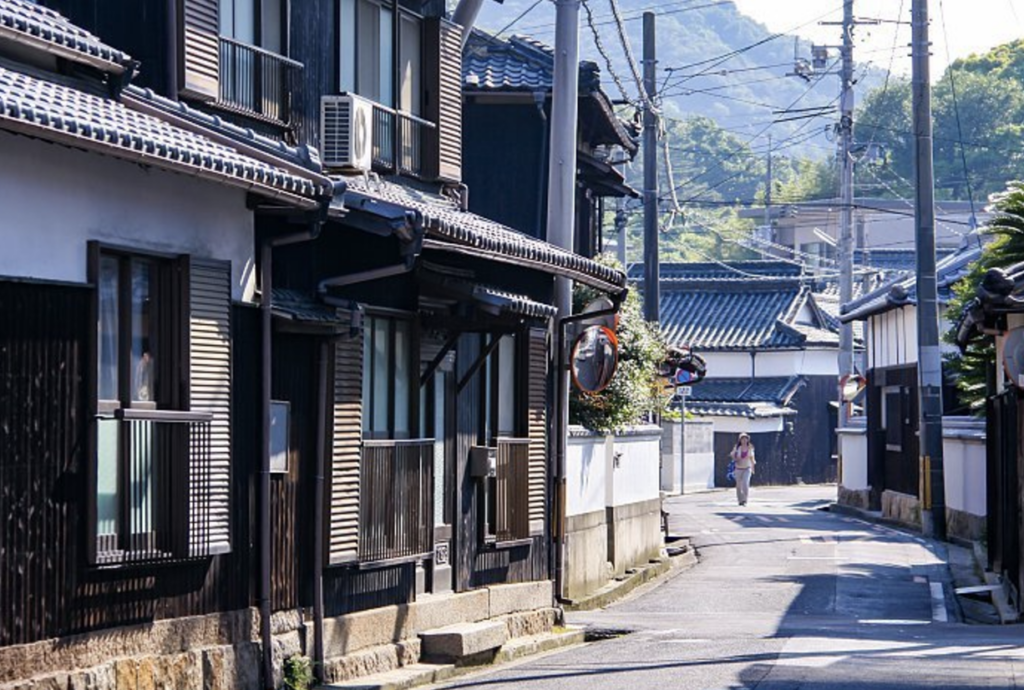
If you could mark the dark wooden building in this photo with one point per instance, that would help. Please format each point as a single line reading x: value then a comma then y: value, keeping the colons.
x: 325, y: 390
x: 506, y: 85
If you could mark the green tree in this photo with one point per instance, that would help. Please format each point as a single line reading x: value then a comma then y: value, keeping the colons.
x: 635, y: 391
x: 1006, y: 249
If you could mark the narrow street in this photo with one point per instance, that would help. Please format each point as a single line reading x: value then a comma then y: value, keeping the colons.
x: 786, y: 596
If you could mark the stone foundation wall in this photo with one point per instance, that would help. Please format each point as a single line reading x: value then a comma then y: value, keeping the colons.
x: 587, y: 568
x: 855, y: 498
x: 222, y: 652
x: 963, y: 525
x: 634, y: 534
x: 901, y: 508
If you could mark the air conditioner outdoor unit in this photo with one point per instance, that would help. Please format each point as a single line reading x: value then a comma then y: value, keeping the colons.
x: 346, y: 132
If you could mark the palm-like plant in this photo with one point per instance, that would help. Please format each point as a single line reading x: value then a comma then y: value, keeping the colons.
x: 1006, y: 249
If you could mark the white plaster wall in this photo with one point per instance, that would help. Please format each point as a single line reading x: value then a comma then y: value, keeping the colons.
x: 853, y: 456
x: 811, y: 362
x: 55, y: 199
x: 634, y: 469
x: 586, y: 466
x: 699, y: 456
x: 963, y: 451
x: 735, y: 425
x: 892, y: 337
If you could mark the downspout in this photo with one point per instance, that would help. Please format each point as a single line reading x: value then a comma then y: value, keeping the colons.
x: 266, y: 376
x: 561, y: 441
x: 540, y: 99
x: 172, y: 49
x: 318, y: 513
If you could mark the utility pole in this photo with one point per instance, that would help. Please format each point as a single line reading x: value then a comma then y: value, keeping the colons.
x: 768, y: 189
x: 560, y: 223
x: 929, y: 359
x: 846, y: 217
x: 652, y: 270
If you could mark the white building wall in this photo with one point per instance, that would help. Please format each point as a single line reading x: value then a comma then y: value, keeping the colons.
x: 963, y: 451
x: 811, y: 362
x: 634, y: 468
x: 586, y: 467
x: 56, y: 199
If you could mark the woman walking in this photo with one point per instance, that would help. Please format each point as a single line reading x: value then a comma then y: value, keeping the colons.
x: 743, y: 456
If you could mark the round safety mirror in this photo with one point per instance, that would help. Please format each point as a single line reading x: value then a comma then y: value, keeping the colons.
x: 595, y: 356
x: 852, y: 385
x: 1013, y: 356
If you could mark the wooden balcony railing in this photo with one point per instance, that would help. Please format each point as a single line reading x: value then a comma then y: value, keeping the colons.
x: 512, y: 488
x: 156, y: 491
x: 256, y: 82
x: 396, y: 513
x: 399, y: 140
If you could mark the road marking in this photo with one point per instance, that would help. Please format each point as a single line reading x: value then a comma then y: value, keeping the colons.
x: 817, y: 558
x: 938, y: 603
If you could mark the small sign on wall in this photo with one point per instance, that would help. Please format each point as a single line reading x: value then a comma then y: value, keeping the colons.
x: 280, y: 420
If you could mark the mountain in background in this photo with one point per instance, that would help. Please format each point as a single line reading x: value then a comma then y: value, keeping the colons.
x: 743, y: 93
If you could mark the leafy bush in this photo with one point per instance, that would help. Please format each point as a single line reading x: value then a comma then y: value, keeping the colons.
x: 298, y: 672
x: 634, y: 395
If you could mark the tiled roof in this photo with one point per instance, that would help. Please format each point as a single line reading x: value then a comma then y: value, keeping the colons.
x: 33, y: 23
x: 731, y: 270
x: 518, y: 64
x: 511, y: 303
x: 57, y: 112
x: 295, y: 305
x: 757, y: 398
x: 450, y: 229
x: 902, y: 289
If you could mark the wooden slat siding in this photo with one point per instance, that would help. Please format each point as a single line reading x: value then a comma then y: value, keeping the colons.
x: 210, y: 391
x: 537, y: 427
x: 43, y: 424
x: 199, y: 49
x: 343, y: 535
x: 443, y: 103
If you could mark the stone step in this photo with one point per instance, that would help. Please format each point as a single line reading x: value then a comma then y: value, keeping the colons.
x: 455, y: 643
x: 425, y: 674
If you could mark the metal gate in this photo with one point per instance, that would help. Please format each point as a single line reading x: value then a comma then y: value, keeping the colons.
x: 1004, y: 495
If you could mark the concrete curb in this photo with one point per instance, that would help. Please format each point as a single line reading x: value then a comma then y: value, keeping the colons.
x: 617, y: 589
x: 416, y: 675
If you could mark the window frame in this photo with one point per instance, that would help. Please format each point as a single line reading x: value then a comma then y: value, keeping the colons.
x: 399, y: 15
x: 170, y: 376
x: 259, y: 39
x: 392, y: 318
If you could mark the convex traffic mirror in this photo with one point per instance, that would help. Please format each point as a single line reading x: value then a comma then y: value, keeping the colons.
x: 595, y: 356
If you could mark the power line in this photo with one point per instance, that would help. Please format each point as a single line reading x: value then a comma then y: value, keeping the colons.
x: 604, y: 54
x: 516, y: 20
x: 956, y: 111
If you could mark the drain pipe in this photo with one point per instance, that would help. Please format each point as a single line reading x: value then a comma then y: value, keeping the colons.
x: 540, y: 99
x: 266, y: 376
x: 318, y: 510
x: 562, y: 439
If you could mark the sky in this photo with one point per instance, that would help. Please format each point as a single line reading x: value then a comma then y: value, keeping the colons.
x: 972, y: 26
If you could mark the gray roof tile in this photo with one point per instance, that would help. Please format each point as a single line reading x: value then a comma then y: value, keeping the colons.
x: 57, y: 112
x: 455, y: 230
x: 729, y: 397
x: 49, y: 28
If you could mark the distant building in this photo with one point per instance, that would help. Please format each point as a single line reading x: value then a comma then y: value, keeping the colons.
x: 809, y: 230
x: 771, y: 354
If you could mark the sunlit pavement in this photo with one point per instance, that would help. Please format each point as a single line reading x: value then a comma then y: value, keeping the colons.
x: 786, y: 596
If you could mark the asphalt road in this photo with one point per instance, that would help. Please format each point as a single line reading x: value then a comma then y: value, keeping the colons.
x: 786, y: 596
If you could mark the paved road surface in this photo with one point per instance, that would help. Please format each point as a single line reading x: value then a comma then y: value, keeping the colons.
x: 786, y: 597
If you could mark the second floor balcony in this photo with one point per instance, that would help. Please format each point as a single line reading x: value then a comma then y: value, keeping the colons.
x: 257, y: 83
x: 400, y: 140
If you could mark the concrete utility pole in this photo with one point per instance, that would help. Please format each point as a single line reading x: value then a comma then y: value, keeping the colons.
x: 929, y: 366
x: 846, y: 217
x: 652, y: 271
x: 561, y: 219
x: 768, y: 189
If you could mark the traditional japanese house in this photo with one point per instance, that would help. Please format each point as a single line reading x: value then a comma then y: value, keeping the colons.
x: 881, y: 467
x: 128, y: 265
x: 997, y: 314
x: 387, y: 415
x: 771, y: 362
x: 506, y: 86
